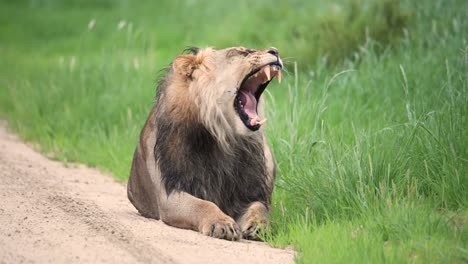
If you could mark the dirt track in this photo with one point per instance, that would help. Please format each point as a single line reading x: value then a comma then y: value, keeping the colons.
x: 51, y: 213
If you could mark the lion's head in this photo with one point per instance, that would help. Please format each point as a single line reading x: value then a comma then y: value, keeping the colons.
x: 221, y: 89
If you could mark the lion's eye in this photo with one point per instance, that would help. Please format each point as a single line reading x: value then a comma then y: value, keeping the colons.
x: 243, y: 53
x: 237, y: 52
x: 246, y: 52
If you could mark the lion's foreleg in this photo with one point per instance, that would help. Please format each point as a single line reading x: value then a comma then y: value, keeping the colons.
x: 183, y: 210
x: 253, y: 221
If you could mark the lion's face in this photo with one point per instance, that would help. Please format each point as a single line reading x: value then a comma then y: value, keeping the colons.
x: 226, y: 85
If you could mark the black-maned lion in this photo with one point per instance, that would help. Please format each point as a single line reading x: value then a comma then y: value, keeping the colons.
x: 202, y: 161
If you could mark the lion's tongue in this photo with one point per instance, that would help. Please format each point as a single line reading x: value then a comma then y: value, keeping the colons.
x: 249, y: 88
x: 250, y: 108
x: 250, y: 104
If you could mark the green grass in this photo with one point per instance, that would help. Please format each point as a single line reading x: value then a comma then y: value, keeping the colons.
x: 369, y: 128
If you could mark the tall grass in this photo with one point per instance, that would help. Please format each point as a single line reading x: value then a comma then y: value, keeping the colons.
x: 381, y: 178
x: 369, y: 128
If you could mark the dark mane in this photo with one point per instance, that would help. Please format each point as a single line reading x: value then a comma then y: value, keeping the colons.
x: 190, y: 160
x: 191, y: 50
x: 161, y: 79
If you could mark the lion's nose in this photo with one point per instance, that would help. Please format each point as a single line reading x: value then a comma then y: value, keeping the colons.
x: 273, y: 51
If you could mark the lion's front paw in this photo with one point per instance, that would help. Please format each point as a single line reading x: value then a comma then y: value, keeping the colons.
x: 222, y: 228
x: 254, y: 221
x: 253, y: 228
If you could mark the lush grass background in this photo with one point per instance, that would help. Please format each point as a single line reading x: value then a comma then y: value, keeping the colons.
x: 369, y: 128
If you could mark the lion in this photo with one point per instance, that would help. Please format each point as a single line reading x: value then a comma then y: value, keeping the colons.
x: 202, y: 161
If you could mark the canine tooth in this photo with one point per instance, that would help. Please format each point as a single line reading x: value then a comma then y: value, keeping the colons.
x: 261, y: 122
x: 267, y: 72
x: 278, y: 75
x: 253, y: 122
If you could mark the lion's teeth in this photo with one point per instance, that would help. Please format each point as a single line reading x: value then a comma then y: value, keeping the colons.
x: 278, y: 75
x: 257, y: 121
x: 267, y: 72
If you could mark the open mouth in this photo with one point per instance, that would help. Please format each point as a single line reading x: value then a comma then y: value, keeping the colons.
x: 249, y: 93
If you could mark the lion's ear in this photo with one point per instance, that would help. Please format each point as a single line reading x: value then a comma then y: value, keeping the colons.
x: 186, y: 64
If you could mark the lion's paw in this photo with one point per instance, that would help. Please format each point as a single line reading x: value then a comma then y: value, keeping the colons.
x: 222, y: 228
x: 254, y: 221
x: 253, y: 228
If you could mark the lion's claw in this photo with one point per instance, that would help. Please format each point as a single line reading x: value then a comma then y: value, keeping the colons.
x: 252, y: 232
x: 224, y: 229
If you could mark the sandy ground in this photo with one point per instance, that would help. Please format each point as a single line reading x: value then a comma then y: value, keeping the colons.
x: 50, y: 213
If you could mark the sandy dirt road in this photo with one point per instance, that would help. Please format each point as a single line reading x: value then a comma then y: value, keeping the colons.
x: 50, y: 213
